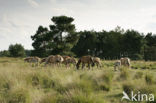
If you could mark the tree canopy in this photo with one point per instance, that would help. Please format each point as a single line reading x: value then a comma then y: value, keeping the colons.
x: 16, y: 50
x: 62, y: 38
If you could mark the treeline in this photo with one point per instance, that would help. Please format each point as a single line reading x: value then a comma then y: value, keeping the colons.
x: 116, y: 44
x: 16, y: 50
x: 62, y: 38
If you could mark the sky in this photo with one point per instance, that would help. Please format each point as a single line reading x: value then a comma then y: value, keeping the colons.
x: 19, y: 19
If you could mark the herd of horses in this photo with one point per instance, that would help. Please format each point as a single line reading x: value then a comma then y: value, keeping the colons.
x: 67, y: 60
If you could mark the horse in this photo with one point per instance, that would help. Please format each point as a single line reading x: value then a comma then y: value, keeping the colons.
x: 85, y: 60
x: 54, y: 59
x: 97, y: 61
x: 32, y: 60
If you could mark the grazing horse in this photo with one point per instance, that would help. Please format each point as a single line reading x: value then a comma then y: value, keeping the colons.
x: 125, y: 62
x: 65, y: 57
x: 97, y: 61
x: 43, y: 60
x: 85, y: 60
x: 57, y: 59
x: 69, y: 60
x: 32, y: 60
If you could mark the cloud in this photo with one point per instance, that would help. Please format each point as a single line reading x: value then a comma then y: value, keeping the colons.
x: 33, y: 3
x: 20, y: 18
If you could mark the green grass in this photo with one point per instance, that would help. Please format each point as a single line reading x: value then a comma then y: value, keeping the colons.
x: 22, y: 83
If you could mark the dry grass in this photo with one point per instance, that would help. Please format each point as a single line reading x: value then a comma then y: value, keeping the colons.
x: 22, y: 83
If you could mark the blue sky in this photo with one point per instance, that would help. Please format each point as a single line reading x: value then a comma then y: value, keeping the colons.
x: 19, y: 19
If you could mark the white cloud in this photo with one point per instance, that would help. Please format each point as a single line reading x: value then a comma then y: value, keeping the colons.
x: 18, y: 20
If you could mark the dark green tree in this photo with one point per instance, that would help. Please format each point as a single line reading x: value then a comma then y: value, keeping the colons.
x: 132, y: 44
x: 4, y: 53
x: 86, y: 44
x: 40, y: 42
x: 150, y: 39
x: 109, y: 44
x: 150, y: 47
x: 58, y: 40
x: 64, y: 35
x: 16, y: 50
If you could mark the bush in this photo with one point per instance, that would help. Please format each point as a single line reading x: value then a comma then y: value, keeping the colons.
x: 16, y: 50
x: 4, y: 53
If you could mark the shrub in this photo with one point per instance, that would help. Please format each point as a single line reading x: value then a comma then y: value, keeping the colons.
x: 16, y: 50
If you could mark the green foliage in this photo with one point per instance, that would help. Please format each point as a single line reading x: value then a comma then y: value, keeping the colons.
x: 16, y: 50
x: 4, y: 53
x: 86, y: 44
x: 40, y: 41
x: 150, y: 53
x: 58, y: 40
x: 132, y: 43
x: 28, y: 53
x: 62, y: 38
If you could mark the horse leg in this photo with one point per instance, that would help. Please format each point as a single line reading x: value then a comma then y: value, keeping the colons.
x: 97, y: 65
x: 88, y: 66
x: 83, y: 65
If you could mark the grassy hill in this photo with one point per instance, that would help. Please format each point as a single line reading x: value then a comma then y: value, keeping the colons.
x: 22, y: 83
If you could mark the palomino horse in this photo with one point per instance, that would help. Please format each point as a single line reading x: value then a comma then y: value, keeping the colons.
x: 85, y: 60
x: 54, y: 59
x: 43, y: 60
x: 97, y: 61
x: 125, y: 62
x: 122, y: 62
x: 32, y: 60
x: 69, y: 60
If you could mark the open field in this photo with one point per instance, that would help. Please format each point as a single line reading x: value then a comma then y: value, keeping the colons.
x: 22, y: 83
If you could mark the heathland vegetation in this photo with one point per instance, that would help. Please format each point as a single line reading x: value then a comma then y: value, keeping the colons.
x: 22, y: 83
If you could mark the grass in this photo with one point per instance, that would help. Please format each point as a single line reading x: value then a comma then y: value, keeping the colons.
x: 22, y: 83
